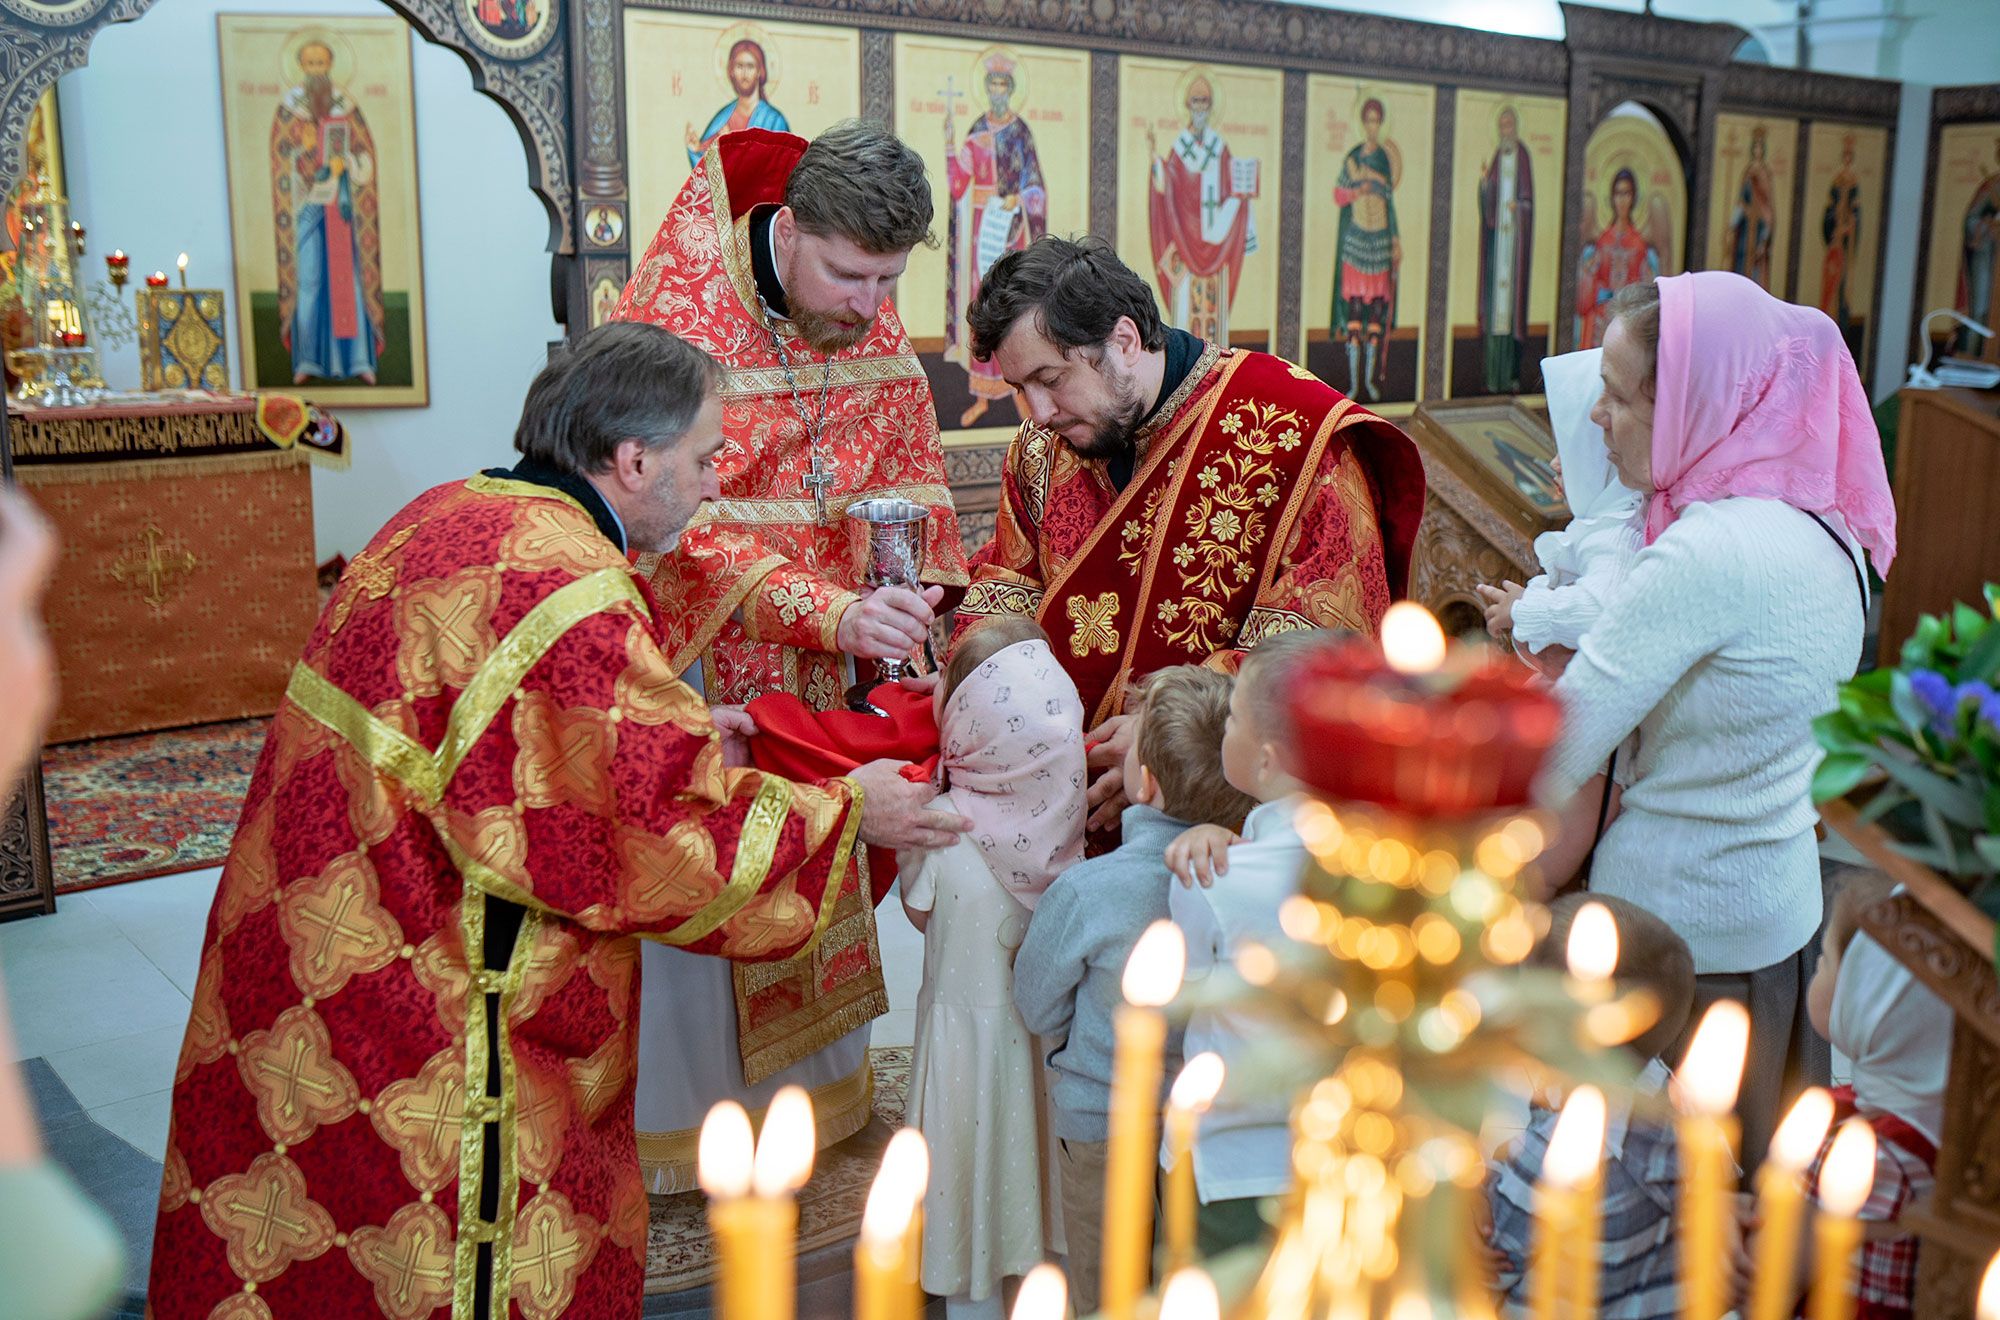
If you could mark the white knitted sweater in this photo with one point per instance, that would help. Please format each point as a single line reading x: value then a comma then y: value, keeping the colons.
x: 1729, y: 635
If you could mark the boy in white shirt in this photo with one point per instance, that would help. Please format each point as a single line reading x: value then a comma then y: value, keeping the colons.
x: 1229, y: 895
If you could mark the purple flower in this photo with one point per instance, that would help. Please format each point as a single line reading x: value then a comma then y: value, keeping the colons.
x: 1934, y: 691
x: 1989, y: 710
x: 1971, y: 691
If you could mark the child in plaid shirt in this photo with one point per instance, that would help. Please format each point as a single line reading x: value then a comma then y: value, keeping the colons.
x: 1640, y: 1278
x: 1896, y: 1036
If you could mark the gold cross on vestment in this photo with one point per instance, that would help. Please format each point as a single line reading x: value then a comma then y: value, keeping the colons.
x: 439, y: 1118
x: 293, y: 1076
x: 270, y: 1217
x: 333, y: 926
x: 153, y: 567
x: 542, y: 1260
x: 409, y: 1269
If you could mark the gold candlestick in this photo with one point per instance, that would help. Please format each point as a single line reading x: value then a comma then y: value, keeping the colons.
x: 1781, y: 1196
x: 1845, y: 1180
x: 1152, y: 978
x: 1710, y: 1076
x: 1194, y: 1091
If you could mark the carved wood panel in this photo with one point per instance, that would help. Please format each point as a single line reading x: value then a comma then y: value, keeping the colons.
x: 1451, y: 557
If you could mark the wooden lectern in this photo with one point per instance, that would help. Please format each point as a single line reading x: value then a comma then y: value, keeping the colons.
x: 1947, y: 481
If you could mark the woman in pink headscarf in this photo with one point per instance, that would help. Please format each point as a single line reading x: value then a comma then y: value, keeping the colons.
x: 1741, y: 420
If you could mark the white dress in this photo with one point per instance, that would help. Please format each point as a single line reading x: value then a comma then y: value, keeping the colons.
x: 975, y: 1079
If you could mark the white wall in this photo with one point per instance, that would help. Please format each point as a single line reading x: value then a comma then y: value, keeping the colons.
x: 142, y: 133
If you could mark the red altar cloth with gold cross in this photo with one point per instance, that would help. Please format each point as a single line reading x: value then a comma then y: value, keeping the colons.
x: 1264, y: 501
x: 759, y: 580
x: 185, y: 583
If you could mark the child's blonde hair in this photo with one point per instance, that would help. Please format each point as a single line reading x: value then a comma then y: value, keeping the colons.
x: 1269, y: 672
x: 982, y: 643
x: 1181, y: 712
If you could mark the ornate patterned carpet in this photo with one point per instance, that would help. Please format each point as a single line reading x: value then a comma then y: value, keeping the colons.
x: 147, y: 804
x: 678, y: 1255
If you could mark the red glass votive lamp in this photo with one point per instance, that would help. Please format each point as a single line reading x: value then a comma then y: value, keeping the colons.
x: 72, y: 339
x: 157, y: 280
x: 1447, y: 744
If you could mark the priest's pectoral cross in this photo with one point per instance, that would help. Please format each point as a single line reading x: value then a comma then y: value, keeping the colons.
x: 819, y: 480
x: 153, y: 567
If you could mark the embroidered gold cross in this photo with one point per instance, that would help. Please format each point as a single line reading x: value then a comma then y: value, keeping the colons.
x: 270, y: 1217
x: 154, y: 567
x: 1095, y: 622
x: 542, y: 1261
x: 295, y: 1075
x: 410, y: 1268
x: 333, y: 926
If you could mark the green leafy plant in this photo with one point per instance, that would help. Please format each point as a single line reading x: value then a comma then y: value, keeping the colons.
x: 1925, y: 738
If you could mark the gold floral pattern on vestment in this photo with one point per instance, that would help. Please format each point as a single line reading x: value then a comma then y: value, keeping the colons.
x: 614, y: 966
x: 666, y: 876
x: 250, y: 881
x: 597, y: 1079
x: 421, y: 1118
x: 549, y: 538
x: 1226, y: 522
x: 207, y: 1035
x: 541, y: 1118
x: 548, y: 964
x: 647, y: 691
x: 369, y: 577
x: 553, y: 1245
x: 336, y: 926
x: 409, y: 1261
x: 564, y: 756
x: 1096, y: 624
x: 444, y: 629
x: 175, y: 1180
x: 440, y: 967
x: 298, y: 1083
x: 266, y: 1219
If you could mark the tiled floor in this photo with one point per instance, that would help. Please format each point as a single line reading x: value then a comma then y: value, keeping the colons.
x: 99, y: 994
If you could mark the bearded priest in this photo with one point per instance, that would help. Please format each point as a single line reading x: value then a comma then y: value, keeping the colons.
x: 407, y: 1078
x: 779, y: 258
x: 1171, y: 501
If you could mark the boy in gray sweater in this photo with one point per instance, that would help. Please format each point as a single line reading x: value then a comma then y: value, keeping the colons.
x: 1068, y: 971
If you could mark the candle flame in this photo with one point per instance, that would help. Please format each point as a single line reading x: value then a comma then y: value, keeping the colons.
x: 1153, y: 973
x: 722, y: 1161
x: 898, y: 1190
x: 183, y: 263
x: 1713, y: 1069
x: 1989, y: 1291
x: 1190, y: 1295
x: 1849, y: 1172
x: 1044, y: 1295
x: 1799, y: 1136
x: 1412, y: 642
x: 1411, y: 1306
x: 1593, y: 943
x: 1577, y: 1144
x: 785, y: 1148
x: 1201, y: 1078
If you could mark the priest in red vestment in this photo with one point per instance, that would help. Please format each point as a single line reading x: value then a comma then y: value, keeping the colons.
x: 406, y: 1086
x: 779, y: 258
x: 1170, y: 501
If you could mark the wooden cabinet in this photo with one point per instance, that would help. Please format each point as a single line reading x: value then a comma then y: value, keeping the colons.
x: 1947, y: 481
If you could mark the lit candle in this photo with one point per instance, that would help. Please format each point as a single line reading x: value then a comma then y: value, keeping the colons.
x: 157, y: 280
x: 1194, y: 1091
x: 1563, y: 1265
x: 1592, y: 952
x: 1781, y: 1195
x: 1845, y: 1179
x: 750, y: 1209
x: 1190, y: 1295
x: 1412, y: 641
x: 1989, y: 1291
x: 1152, y: 976
x: 184, y: 270
x: 884, y: 1286
x: 1044, y: 1295
x: 1709, y: 1078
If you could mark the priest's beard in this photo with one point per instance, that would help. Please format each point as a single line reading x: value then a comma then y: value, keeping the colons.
x: 822, y: 332
x: 1111, y: 435
x: 1198, y: 124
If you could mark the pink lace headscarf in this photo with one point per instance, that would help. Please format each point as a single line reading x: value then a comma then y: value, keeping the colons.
x: 1013, y: 755
x: 1758, y: 397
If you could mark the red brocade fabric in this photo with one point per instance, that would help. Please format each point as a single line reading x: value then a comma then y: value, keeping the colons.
x: 798, y: 742
x: 484, y: 725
